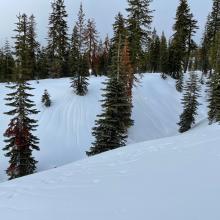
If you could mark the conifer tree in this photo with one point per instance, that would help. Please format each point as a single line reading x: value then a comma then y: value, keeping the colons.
x: 46, y: 99
x: 190, y: 43
x: 179, y: 82
x: 154, y: 53
x: 110, y: 129
x: 213, y: 23
x: 22, y: 52
x: 33, y: 46
x: 110, y: 132
x: 91, y: 36
x: 80, y: 67
x: 42, y: 71
x: 103, y: 52
x: 7, y: 63
x: 204, y: 53
x: 190, y: 103
x: 214, y: 84
x: 74, y: 52
x: 119, y: 34
x: 182, y: 43
x: 20, y: 138
x: 164, y: 56
x: 138, y: 25
x: 58, y: 40
x: 126, y: 74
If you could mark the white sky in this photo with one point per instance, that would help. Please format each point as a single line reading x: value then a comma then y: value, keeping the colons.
x: 103, y: 11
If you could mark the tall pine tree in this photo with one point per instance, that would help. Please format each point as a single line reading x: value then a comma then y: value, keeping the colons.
x: 20, y: 138
x: 79, y: 65
x: 139, y: 26
x: 190, y: 103
x: 58, y: 40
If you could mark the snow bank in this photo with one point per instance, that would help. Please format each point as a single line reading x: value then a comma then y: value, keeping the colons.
x: 175, y: 178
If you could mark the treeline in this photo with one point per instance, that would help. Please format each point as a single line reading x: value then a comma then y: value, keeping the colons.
x: 66, y: 50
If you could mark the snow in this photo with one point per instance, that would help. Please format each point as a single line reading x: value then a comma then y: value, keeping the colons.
x: 171, y: 178
x: 160, y: 175
x: 65, y: 128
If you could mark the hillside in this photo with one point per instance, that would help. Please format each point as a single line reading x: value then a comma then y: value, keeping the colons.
x: 167, y: 179
x: 65, y: 128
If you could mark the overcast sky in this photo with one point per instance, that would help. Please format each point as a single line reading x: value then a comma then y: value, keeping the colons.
x: 103, y: 11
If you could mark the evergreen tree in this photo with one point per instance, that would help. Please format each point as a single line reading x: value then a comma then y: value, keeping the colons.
x: 79, y: 63
x: 190, y: 103
x: 103, y: 60
x: 111, y: 127
x: 22, y: 52
x: 154, y: 53
x: 7, y: 63
x: 213, y: 23
x: 179, y: 82
x: 190, y: 43
x: 126, y: 74
x: 119, y: 36
x: 110, y: 131
x: 214, y: 84
x: 74, y: 52
x: 204, y: 53
x: 138, y: 25
x: 182, y: 43
x: 33, y: 46
x: 164, y: 56
x: 20, y: 139
x: 46, y: 99
x: 42, y: 71
x: 58, y: 40
x: 91, y: 36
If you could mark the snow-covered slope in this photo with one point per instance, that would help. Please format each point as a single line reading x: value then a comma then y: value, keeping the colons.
x: 65, y: 128
x: 176, y: 178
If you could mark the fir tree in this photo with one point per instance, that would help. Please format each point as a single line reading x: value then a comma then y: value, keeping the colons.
x: 42, y: 71
x: 138, y: 25
x: 46, y: 99
x: 20, y: 139
x: 126, y: 73
x: 214, y: 84
x: 119, y: 36
x: 179, y: 82
x: 7, y: 63
x: 33, y: 46
x: 190, y: 43
x: 103, y: 51
x: 164, y: 56
x: 190, y: 103
x: 204, y: 53
x: 58, y: 40
x: 111, y: 127
x: 22, y: 52
x: 213, y: 23
x: 79, y: 63
x: 182, y: 43
x: 154, y: 53
x: 91, y: 36
x: 110, y: 131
